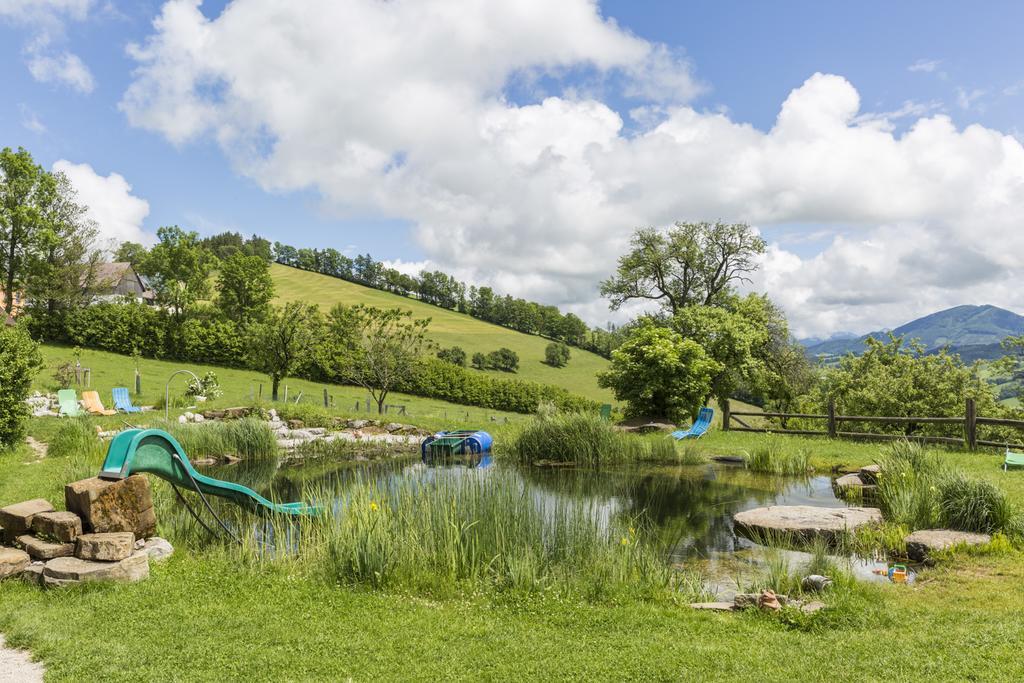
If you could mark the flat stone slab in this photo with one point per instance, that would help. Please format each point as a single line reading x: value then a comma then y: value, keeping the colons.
x: 13, y: 562
x: 41, y: 549
x: 713, y: 606
x: 921, y: 543
x: 849, y: 481
x: 158, y: 549
x: 68, y: 570
x: 805, y: 521
x: 62, y: 526
x: 17, y: 519
x: 109, y: 547
x: 869, y: 473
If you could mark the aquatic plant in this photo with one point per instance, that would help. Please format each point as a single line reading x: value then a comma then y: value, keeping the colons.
x: 773, y: 457
x: 75, y: 436
x: 576, y: 437
x: 244, y: 438
x: 973, y: 505
x: 691, y: 453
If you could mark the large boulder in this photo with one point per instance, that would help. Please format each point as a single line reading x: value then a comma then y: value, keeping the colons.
x: 17, y: 519
x: 68, y: 570
x: 13, y: 562
x: 62, y: 526
x: 109, y: 547
x: 921, y: 544
x: 804, y: 521
x: 110, y: 506
x: 41, y: 549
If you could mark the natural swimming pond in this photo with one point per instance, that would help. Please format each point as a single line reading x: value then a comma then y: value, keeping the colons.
x: 686, y: 510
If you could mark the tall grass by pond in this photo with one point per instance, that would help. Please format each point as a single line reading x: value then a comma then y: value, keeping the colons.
x: 772, y: 456
x: 76, y: 436
x: 586, y: 440
x: 244, y: 438
x: 917, y: 489
x: 443, y: 533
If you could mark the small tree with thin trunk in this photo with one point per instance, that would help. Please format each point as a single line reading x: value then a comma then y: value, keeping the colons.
x: 375, y: 348
x: 281, y: 342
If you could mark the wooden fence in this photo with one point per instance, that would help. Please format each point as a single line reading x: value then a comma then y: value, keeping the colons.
x: 969, y: 424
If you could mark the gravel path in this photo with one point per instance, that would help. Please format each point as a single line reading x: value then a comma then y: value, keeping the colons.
x: 16, y: 666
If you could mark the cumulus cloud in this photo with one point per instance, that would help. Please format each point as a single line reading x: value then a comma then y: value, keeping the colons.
x: 117, y: 212
x: 402, y: 108
x: 925, y: 65
x: 45, y: 21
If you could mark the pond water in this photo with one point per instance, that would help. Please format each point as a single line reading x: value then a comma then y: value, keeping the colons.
x: 690, y: 509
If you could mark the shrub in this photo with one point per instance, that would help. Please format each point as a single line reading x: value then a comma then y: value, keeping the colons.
x: 207, y: 386
x: 503, y: 359
x: 974, y: 505
x: 19, y: 361
x: 456, y: 355
x: 211, y: 338
x: 479, y: 361
x: 124, y: 328
x: 556, y: 354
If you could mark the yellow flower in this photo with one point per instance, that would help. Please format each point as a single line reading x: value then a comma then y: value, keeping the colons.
x: 373, y: 506
x: 624, y: 541
x: 632, y: 531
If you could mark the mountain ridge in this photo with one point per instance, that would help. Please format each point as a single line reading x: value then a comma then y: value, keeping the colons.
x: 973, y: 331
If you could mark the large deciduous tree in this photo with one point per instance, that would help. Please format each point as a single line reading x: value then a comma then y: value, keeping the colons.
x: 373, y: 348
x: 23, y: 187
x: 690, y: 264
x: 244, y: 287
x: 178, y: 268
x: 285, y: 339
x: 658, y: 373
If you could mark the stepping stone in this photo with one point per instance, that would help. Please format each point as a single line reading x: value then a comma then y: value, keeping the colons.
x: 63, y: 526
x: 869, y: 473
x: 17, y: 519
x: 713, y: 606
x: 812, y: 607
x: 849, y: 481
x: 13, y: 562
x: 45, y: 550
x: 109, y: 547
x: 64, y: 571
x: 921, y: 543
x: 804, y: 521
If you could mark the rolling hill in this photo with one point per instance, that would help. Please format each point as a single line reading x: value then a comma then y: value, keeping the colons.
x: 449, y: 328
x: 972, y: 331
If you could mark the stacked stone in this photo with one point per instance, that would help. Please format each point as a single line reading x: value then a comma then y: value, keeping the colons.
x: 94, y: 540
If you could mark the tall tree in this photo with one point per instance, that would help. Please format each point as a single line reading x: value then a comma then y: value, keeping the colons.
x: 690, y: 264
x: 658, y: 373
x: 178, y: 267
x: 244, y: 287
x: 287, y: 337
x: 131, y: 252
x: 22, y: 184
x: 374, y: 348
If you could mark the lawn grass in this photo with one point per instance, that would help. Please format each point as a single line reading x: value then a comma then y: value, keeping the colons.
x: 241, y: 387
x: 449, y: 328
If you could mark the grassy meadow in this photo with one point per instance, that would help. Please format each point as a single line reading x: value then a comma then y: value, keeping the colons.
x: 449, y: 328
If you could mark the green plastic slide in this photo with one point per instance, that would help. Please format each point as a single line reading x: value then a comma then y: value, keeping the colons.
x: 154, y: 451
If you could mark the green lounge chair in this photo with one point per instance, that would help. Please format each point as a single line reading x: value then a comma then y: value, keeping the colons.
x: 1013, y: 460
x: 68, y: 401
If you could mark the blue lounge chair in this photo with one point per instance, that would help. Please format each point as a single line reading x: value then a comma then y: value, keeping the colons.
x: 123, y: 402
x: 698, y: 428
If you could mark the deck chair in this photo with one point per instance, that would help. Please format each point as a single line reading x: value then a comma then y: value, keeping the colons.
x: 68, y: 402
x: 123, y: 402
x: 699, y: 427
x: 1012, y: 460
x: 93, y: 404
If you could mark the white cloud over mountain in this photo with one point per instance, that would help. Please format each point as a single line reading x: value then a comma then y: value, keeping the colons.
x: 403, y: 108
x: 117, y: 212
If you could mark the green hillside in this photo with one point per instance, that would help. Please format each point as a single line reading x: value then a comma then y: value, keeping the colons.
x: 448, y: 328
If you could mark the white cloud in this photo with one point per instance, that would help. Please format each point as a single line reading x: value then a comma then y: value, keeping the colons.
x: 30, y: 121
x: 65, y: 68
x: 117, y: 212
x: 45, y: 21
x: 966, y: 99
x: 925, y: 65
x: 400, y: 108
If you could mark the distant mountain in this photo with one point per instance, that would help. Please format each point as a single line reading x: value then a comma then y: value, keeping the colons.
x: 838, y: 336
x: 972, y: 331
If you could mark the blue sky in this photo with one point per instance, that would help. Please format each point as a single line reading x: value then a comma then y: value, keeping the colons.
x: 906, y: 61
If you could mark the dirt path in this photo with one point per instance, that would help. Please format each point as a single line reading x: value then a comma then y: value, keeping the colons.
x: 16, y: 666
x: 38, y: 447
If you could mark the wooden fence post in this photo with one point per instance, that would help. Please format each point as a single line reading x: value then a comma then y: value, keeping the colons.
x: 971, y: 425
x: 832, y: 431
x: 326, y: 400
x: 725, y: 415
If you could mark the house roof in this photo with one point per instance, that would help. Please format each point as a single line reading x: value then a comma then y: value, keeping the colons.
x: 111, y: 274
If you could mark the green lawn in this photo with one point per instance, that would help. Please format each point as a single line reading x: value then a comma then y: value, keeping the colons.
x: 241, y: 387
x: 448, y: 328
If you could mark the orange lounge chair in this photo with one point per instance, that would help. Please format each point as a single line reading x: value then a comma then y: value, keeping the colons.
x: 93, y: 404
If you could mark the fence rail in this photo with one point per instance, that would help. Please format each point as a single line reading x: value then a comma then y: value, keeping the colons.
x: 969, y: 422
